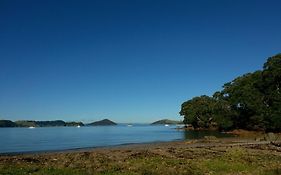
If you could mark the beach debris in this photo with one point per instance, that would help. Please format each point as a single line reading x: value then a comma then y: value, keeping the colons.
x: 211, y: 138
x: 270, y: 137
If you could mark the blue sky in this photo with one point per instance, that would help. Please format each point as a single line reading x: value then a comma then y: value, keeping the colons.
x: 129, y: 61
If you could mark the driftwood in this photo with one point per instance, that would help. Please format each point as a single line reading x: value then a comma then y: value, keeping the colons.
x: 275, y: 144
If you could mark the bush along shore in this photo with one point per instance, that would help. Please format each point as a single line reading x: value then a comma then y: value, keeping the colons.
x: 251, y: 102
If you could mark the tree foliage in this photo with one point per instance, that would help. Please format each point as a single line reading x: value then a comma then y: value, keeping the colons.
x: 208, y: 112
x: 251, y: 101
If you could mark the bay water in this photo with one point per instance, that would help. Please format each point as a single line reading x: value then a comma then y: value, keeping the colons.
x: 20, y: 140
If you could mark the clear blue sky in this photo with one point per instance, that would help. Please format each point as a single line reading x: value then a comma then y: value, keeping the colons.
x: 129, y: 61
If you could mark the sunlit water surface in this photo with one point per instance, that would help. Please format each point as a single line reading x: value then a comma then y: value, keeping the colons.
x: 14, y: 140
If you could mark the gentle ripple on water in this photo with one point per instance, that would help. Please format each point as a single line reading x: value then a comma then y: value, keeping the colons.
x: 63, y: 138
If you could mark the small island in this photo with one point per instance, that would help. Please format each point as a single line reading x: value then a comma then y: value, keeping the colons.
x: 104, y: 122
x: 7, y: 123
x: 167, y: 122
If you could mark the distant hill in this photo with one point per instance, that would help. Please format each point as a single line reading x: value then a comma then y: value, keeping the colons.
x: 104, y: 122
x: 166, y: 121
x: 32, y: 123
x: 7, y: 123
x: 26, y: 123
x: 74, y: 124
x: 50, y: 123
x: 29, y: 123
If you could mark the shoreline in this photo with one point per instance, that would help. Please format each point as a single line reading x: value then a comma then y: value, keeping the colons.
x: 199, y: 156
x: 235, y: 135
x: 83, y: 149
x: 195, y: 143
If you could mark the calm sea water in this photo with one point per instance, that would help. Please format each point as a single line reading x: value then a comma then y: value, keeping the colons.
x: 14, y: 140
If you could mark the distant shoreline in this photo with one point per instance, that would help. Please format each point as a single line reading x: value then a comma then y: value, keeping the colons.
x: 51, y: 123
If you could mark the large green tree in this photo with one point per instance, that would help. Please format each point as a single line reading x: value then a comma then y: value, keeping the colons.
x: 207, y: 112
x: 245, y: 98
x: 271, y: 88
x: 251, y: 101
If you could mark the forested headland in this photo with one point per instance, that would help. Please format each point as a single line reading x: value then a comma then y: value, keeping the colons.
x: 251, y: 101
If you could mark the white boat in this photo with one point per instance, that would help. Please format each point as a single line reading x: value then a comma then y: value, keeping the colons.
x: 78, y: 126
x: 129, y: 125
x: 31, y: 127
x: 166, y: 125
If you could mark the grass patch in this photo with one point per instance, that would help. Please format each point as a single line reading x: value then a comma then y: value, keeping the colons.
x: 220, y: 166
x: 275, y: 171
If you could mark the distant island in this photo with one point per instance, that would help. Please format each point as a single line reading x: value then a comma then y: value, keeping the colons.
x: 7, y: 123
x: 166, y: 121
x: 61, y: 123
x: 104, y: 122
x: 33, y: 123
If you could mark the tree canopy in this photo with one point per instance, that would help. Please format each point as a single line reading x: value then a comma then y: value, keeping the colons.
x: 251, y: 101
